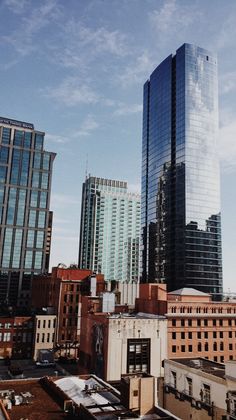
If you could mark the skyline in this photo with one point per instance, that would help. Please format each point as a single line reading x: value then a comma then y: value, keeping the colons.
x: 77, y: 73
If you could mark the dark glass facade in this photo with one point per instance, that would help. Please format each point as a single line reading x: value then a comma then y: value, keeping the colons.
x: 180, y: 206
x: 25, y: 183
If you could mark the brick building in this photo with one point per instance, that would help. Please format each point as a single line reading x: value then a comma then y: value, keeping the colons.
x: 197, y: 326
x: 62, y: 290
x: 16, y: 337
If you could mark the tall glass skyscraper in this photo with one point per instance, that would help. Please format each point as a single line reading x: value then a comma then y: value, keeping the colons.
x: 110, y: 229
x: 180, y: 206
x: 25, y: 184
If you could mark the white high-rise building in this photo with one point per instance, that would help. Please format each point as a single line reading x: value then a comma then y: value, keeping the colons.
x: 110, y: 229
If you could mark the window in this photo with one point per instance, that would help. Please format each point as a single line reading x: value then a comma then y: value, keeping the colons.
x: 182, y: 335
x: 205, y: 334
x: 7, y: 336
x: 206, y: 394
x: 221, y: 345
x: 221, y: 322
x: 230, y: 334
x: 199, y: 323
x: 215, y: 346
x: 173, y: 320
x: 39, y: 323
x: 38, y: 144
x: 173, y: 349
x: 173, y: 335
x: 190, y: 335
x: 37, y: 338
x: 49, y: 323
x: 173, y: 379
x: 214, y: 334
x: 190, y: 348
x: 205, y: 322
x: 48, y: 338
x: 230, y: 322
x: 214, y: 322
x: 221, y: 334
x: 199, y: 347
x: 44, y: 323
x: 206, y: 346
x: 182, y: 349
x: 199, y: 335
x: 189, y: 386
x: 230, y: 346
x: 43, y: 337
x: 138, y: 357
x: 189, y: 322
x: 182, y: 322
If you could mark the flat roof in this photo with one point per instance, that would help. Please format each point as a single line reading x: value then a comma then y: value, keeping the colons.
x: 204, y: 365
x: 138, y: 315
x: 41, y: 407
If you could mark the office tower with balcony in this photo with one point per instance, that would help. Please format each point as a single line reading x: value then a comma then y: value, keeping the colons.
x: 110, y: 229
x: 25, y: 184
x: 180, y: 204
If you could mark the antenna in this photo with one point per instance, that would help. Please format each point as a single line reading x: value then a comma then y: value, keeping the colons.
x: 86, y: 167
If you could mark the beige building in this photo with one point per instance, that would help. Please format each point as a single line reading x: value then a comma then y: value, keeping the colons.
x: 200, y: 389
x: 44, y: 337
x: 136, y: 344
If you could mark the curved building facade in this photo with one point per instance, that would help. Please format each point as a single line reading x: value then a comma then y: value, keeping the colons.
x: 180, y: 207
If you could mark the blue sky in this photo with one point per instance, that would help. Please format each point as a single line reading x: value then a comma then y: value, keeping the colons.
x: 75, y: 68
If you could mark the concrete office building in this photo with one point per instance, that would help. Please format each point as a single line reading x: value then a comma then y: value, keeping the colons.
x: 181, y: 220
x: 110, y: 229
x: 25, y: 184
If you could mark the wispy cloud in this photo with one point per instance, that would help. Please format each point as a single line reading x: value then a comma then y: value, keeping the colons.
x: 173, y: 18
x: 54, y: 138
x: 23, y: 38
x: 227, y: 146
x: 126, y: 109
x: 16, y: 6
x: 87, y: 127
x: 80, y: 45
x: 228, y: 82
x: 72, y: 92
x: 137, y: 70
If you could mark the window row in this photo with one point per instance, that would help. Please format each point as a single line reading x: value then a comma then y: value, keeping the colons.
x: 203, y: 322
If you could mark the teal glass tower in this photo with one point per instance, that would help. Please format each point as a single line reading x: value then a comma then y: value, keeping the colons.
x: 181, y: 220
x: 110, y: 229
x: 25, y: 184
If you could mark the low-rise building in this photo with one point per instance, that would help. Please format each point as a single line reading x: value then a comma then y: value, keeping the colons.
x: 16, y: 337
x: 62, y: 290
x: 44, y: 333
x: 197, y: 326
x: 84, y: 397
x: 113, y: 344
x: 197, y: 388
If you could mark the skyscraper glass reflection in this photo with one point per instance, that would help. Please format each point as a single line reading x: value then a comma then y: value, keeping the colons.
x: 25, y: 183
x: 180, y: 210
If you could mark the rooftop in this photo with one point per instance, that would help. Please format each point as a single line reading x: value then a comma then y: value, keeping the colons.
x: 138, y: 315
x: 188, y: 291
x: 204, y: 365
x: 38, y: 405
